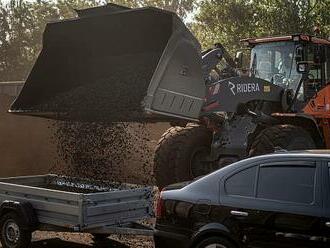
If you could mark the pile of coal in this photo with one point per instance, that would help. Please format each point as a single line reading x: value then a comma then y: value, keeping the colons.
x: 117, y: 152
x: 85, y: 186
x: 70, y: 188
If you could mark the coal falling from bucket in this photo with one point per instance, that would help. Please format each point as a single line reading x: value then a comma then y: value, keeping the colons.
x: 97, y: 138
x: 94, y: 141
x: 113, y: 152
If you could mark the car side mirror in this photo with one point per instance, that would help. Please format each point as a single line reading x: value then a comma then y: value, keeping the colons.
x: 303, y: 67
x: 239, y: 59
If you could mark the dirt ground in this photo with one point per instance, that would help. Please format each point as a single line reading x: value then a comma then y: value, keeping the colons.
x: 76, y: 240
x: 55, y: 240
x: 27, y: 148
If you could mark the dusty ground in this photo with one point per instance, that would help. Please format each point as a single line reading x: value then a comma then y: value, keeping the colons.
x: 27, y: 148
x: 55, y: 240
x: 68, y: 240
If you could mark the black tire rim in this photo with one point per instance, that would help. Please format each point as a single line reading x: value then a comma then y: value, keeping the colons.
x: 198, y: 164
x: 11, y: 233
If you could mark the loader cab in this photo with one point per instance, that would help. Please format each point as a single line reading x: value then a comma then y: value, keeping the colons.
x: 276, y: 63
x: 276, y: 60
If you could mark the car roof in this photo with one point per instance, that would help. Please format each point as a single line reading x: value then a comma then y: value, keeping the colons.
x: 202, y: 185
x: 306, y: 152
x: 299, y: 154
x: 303, y: 154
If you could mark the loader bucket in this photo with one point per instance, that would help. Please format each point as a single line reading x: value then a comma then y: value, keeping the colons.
x: 112, y: 64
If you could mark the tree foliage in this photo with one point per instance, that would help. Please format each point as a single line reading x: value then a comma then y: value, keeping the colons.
x: 228, y: 21
x: 22, y: 23
x: 181, y: 7
x: 21, y: 27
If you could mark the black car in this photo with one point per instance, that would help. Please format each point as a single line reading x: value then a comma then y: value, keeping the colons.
x: 277, y: 200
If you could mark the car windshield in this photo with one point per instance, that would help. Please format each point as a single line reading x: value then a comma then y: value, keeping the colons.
x: 275, y: 62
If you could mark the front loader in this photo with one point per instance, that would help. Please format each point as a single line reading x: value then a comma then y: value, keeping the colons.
x: 282, y: 103
x: 114, y: 64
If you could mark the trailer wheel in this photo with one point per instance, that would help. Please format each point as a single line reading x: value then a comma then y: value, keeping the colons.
x: 13, y: 233
x: 286, y: 137
x: 180, y: 153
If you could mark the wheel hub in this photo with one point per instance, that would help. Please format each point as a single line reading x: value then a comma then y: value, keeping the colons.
x: 12, y: 231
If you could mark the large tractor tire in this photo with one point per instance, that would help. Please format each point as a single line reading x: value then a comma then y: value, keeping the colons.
x: 180, y: 154
x: 287, y: 137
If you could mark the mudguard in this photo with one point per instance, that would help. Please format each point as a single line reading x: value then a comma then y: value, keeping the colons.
x: 24, y: 210
x: 213, y: 229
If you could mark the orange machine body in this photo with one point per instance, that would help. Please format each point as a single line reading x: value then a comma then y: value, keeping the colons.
x: 319, y: 108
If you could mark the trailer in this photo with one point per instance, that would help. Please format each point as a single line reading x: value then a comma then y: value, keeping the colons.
x: 64, y: 204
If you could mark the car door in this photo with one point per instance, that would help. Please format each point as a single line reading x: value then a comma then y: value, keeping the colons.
x: 284, y: 208
x: 325, y: 222
x: 289, y: 193
x: 238, y: 201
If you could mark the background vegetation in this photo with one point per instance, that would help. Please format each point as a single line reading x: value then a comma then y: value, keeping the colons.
x: 227, y: 21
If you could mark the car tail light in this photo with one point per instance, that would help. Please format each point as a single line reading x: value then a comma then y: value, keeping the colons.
x: 160, y: 209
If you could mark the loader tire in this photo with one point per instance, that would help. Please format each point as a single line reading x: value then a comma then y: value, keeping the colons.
x: 287, y: 137
x: 178, y: 150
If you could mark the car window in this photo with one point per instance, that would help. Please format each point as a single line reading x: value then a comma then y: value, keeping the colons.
x: 242, y: 183
x: 329, y: 170
x: 287, y: 183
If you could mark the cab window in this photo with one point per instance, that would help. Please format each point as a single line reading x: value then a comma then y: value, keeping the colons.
x: 315, y: 72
